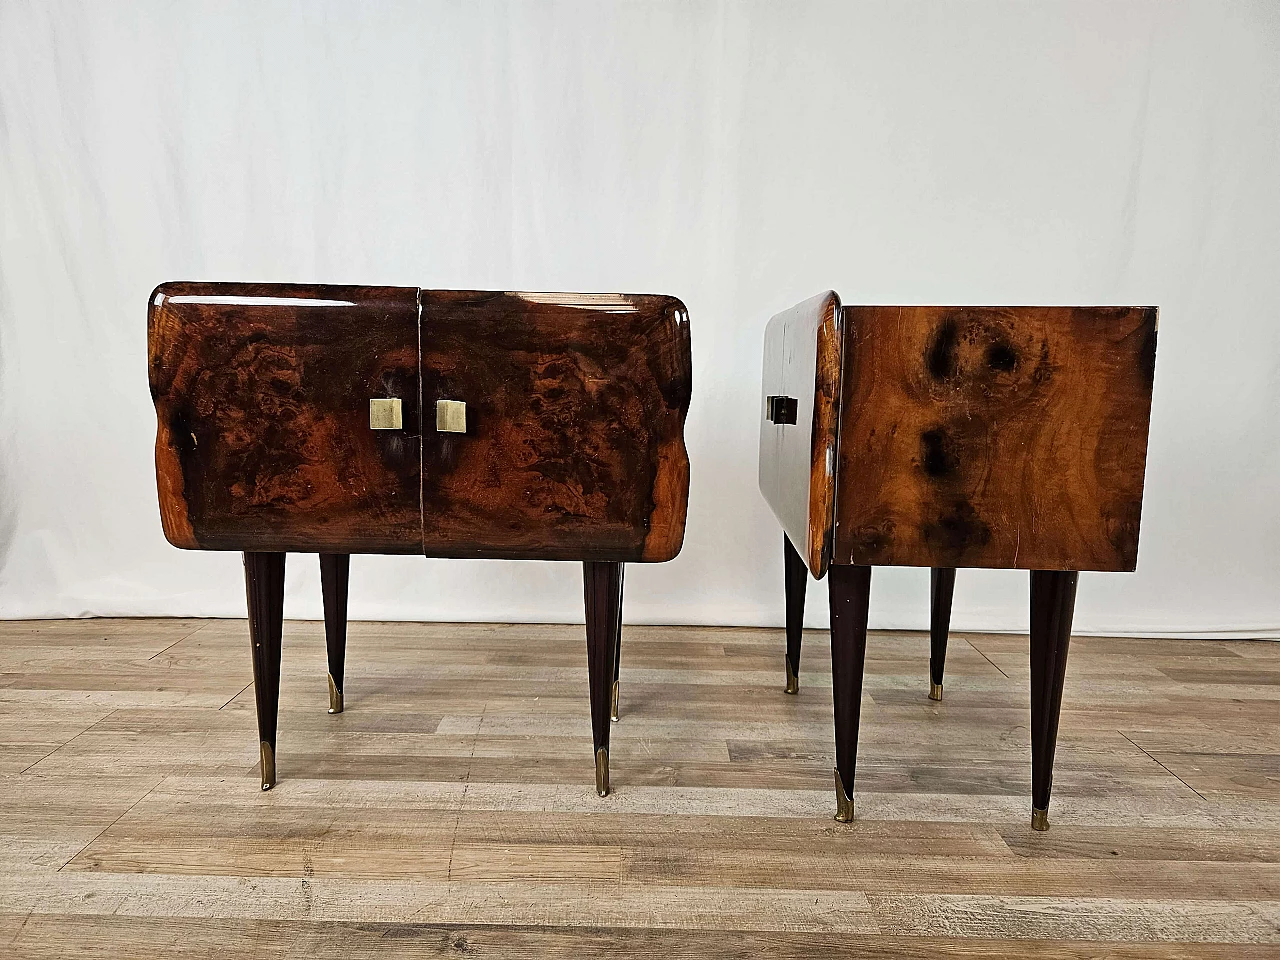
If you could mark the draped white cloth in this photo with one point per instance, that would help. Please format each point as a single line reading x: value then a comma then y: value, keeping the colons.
x: 742, y: 156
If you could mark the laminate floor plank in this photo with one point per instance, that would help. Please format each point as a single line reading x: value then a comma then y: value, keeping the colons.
x: 46, y: 937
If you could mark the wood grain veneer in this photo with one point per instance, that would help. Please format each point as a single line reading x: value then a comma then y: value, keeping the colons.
x: 1011, y: 437
x: 574, y: 447
x: 575, y: 409
x: 262, y: 405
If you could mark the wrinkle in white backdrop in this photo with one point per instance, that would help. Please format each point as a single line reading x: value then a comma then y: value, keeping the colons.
x: 741, y: 156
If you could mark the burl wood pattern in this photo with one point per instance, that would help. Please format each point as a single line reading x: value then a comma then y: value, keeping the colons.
x: 262, y: 396
x: 994, y: 436
x: 798, y: 460
x: 575, y: 425
x: 574, y: 442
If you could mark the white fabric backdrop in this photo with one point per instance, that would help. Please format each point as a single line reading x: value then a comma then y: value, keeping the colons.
x: 741, y: 156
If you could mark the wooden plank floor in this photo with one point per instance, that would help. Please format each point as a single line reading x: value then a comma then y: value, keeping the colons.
x: 450, y: 810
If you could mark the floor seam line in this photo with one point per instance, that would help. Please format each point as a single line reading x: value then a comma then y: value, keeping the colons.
x: 150, y: 790
x: 109, y: 715
x: 989, y: 660
x: 187, y: 636
x: 1164, y: 768
x: 462, y: 801
x: 237, y: 694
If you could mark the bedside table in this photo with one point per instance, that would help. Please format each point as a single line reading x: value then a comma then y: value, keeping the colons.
x: 945, y: 437
x: 394, y: 420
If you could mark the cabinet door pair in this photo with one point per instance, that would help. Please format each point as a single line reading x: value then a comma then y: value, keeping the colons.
x: 946, y: 437
x: 398, y: 420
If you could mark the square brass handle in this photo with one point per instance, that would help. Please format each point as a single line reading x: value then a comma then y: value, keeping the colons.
x: 780, y: 409
x: 451, y: 416
x: 385, y: 414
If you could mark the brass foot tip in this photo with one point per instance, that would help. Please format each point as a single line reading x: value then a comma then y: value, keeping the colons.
x: 844, y: 802
x: 268, y: 766
x: 935, y: 691
x: 613, y: 703
x: 335, y: 697
x: 1039, y: 819
x: 602, y: 772
x: 793, y: 681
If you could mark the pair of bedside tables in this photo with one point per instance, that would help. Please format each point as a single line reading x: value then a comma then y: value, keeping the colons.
x: 338, y: 419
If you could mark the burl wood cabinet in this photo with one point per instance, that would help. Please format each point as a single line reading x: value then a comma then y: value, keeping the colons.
x: 341, y: 419
x: 945, y: 437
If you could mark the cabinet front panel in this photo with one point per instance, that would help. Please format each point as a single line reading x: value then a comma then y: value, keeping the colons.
x: 561, y: 429
x: 264, y: 440
x: 994, y: 436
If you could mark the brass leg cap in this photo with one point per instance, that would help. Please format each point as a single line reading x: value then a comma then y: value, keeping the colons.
x: 1039, y: 819
x: 335, y: 697
x: 602, y: 772
x: 793, y: 682
x: 844, y: 802
x: 935, y: 691
x: 613, y: 703
x: 268, y: 766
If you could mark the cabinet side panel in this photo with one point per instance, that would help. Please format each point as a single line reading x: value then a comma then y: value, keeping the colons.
x: 263, y: 437
x: 802, y: 356
x: 994, y: 436
x: 573, y: 442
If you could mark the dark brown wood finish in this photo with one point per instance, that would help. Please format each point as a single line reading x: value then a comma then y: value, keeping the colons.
x: 335, y: 571
x: 942, y: 586
x: 262, y: 399
x: 795, y: 581
x: 574, y: 448
x: 1010, y: 437
x: 264, y: 586
x: 602, y: 589
x: 850, y: 596
x: 798, y: 448
x: 617, y: 648
x: 1053, y: 600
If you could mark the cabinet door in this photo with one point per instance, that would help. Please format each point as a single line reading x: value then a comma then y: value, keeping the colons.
x: 571, y: 443
x: 262, y: 394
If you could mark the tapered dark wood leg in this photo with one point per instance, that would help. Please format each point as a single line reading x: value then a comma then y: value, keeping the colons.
x: 942, y: 584
x: 602, y: 585
x: 264, y: 586
x: 617, y: 651
x: 1053, y: 601
x: 850, y: 591
x: 335, y: 569
x: 795, y: 577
